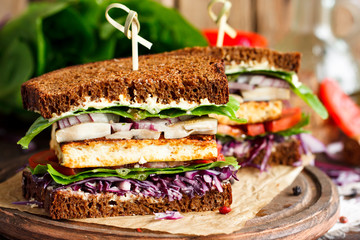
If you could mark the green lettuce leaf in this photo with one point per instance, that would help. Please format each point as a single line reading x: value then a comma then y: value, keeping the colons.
x: 298, y: 88
x: 128, y: 173
x: 37, y: 127
x: 228, y: 110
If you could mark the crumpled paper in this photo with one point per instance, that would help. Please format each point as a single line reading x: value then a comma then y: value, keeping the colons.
x: 350, y: 208
x: 251, y: 193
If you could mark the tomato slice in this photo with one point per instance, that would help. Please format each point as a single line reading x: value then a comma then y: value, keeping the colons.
x: 219, y: 147
x: 41, y: 158
x: 289, y: 118
x: 255, y: 129
x: 202, y: 161
x: 342, y: 109
x: 49, y: 157
x: 220, y: 157
x: 242, y: 38
x: 234, y: 131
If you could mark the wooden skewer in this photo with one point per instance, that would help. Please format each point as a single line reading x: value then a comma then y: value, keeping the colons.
x: 134, y: 42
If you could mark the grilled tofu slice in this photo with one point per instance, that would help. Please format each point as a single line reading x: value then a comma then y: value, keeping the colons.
x: 104, y: 152
x: 254, y: 112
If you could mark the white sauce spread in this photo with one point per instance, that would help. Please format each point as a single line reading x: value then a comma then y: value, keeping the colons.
x: 254, y: 65
x: 151, y: 105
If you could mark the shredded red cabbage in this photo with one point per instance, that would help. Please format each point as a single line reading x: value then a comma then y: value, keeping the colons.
x: 247, y: 150
x: 340, y: 175
x: 31, y: 202
x: 311, y: 144
x: 172, y: 186
x: 168, y: 215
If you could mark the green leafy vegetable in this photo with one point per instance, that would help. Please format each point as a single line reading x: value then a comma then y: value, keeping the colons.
x: 298, y: 88
x: 134, y: 113
x: 128, y: 173
x: 38, y: 126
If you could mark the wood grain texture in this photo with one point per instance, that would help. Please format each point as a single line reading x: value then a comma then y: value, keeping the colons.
x: 306, y: 216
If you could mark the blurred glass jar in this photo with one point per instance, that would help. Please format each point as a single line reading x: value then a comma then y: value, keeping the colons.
x: 324, y: 54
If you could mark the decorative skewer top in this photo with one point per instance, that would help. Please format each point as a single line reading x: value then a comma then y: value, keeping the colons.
x: 131, y: 20
x: 221, y: 19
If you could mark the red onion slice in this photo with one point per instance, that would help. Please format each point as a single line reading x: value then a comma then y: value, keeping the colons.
x: 154, y: 124
x: 70, y: 121
x: 249, y: 82
x: 240, y: 86
x: 67, y: 122
x: 264, y: 81
x: 73, y: 120
x: 83, y: 118
x: 121, y: 127
x: 61, y: 124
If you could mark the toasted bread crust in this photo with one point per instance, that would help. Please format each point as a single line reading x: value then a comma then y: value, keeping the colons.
x: 237, y: 54
x: 164, y: 78
x: 67, y: 205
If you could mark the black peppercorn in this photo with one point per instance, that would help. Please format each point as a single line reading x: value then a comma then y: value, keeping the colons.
x: 296, y: 190
x: 353, y: 193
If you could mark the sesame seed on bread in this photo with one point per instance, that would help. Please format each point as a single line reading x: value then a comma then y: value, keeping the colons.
x: 167, y: 79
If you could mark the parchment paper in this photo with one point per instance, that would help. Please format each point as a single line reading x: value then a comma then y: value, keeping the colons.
x: 251, y: 193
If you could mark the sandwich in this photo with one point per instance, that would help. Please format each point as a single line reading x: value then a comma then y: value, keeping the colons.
x: 127, y: 142
x: 262, y: 80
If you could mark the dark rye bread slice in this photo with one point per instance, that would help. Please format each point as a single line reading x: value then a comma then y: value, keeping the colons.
x: 286, y: 153
x: 169, y: 78
x: 283, y: 61
x: 68, y: 205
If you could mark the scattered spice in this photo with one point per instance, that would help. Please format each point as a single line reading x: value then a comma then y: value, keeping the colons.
x: 224, y: 210
x: 343, y: 219
x: 353, y: 193
x: 296, y: 190
x: 139, y: 230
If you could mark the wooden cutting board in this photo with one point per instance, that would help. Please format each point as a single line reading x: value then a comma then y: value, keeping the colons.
x: 307, y: 216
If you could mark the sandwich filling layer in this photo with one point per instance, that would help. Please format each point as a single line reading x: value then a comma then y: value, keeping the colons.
x: 104, y: 140
x: 265, y: 85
